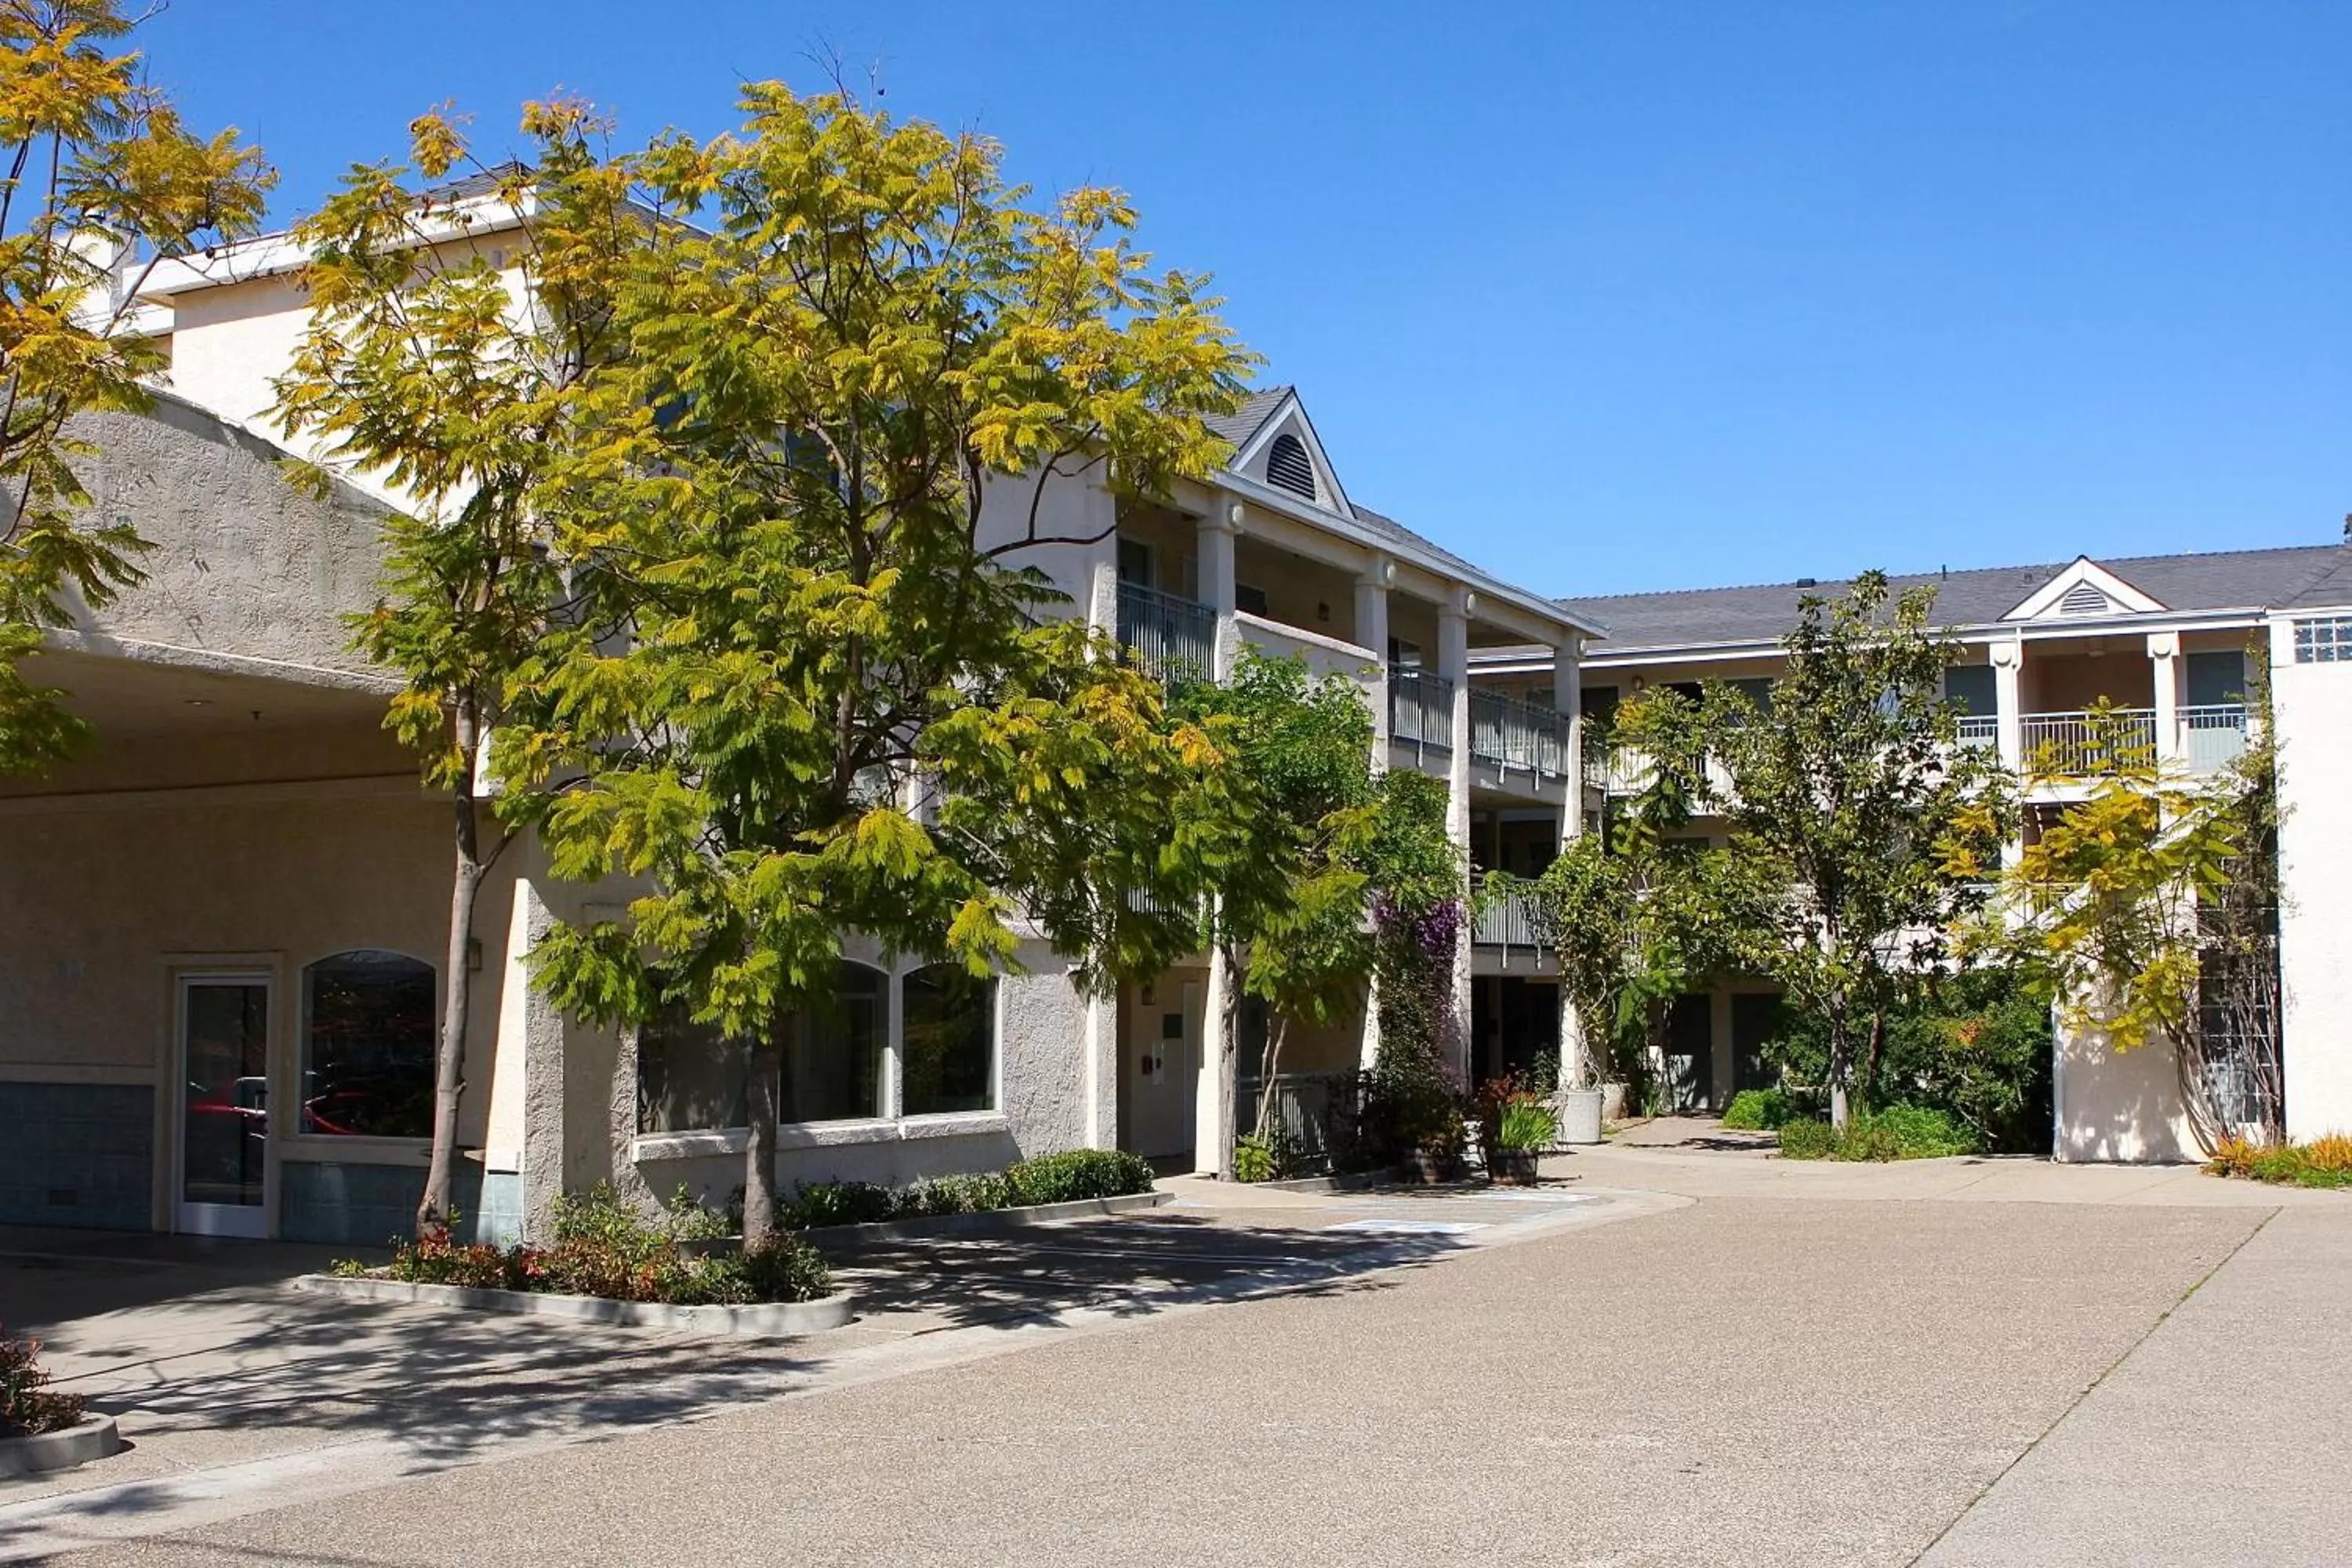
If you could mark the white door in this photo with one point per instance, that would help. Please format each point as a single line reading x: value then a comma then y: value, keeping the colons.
x: 221, y: 1171
x: 1162, y: 1063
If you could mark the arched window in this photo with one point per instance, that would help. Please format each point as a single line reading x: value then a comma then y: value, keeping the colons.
x: 1288, y: 468
x: 368, y: 1029
x: 691, y: 1080
x: 948, y: 1041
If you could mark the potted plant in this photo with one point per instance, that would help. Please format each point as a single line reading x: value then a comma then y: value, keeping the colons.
x: 1516, y: 1122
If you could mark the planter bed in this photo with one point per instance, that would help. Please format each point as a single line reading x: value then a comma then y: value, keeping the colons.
x: 91, y: 1438
x: 759, y: 1320
x: 981, y: 1221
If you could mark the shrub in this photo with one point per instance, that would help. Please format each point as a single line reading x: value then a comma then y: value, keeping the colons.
x: 841, y: 1203
x: 2324, y: 1162
x: 28, y: 1404
x: 1808, y: 1139
x: 1758, y: 1111
x: 1254, y: 1159
x: 1897, y: 1133
x: 953, y: 1194
x: 603, y: 1246
x: 1080, y: 1174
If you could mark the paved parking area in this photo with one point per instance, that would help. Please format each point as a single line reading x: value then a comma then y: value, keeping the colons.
x: 240, y: 1394
x: 1959, y: 1365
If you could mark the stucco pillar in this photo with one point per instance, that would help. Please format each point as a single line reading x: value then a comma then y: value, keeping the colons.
x: 1576, y: 1069
x: 1215, y: 551
x: 1210, y: 1133
x: 1373, y: 633
x: 1453, y: 665
x: 2009, y: 721
x: 1102, y: 1066
x: 2164, y: 677
x: 527, y: 1130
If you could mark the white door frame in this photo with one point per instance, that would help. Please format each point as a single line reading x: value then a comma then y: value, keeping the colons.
x: 192, y: 1218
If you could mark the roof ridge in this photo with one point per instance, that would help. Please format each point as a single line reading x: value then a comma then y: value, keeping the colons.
x: 1940, y: 574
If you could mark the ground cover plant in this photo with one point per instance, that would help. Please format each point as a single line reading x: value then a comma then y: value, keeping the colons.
x: 605, y: 1247
x: 26, y: 1403
x: 1759, y: 1111
x: 1070, y: 1176
x: 1897, y: 1133
x: 2322, y: 1163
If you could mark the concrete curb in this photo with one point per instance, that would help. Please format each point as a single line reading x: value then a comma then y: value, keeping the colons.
x: 984, y: 1222
x: 94, y: 1437
x: 763, y: 1320
x: 1349, y: 1184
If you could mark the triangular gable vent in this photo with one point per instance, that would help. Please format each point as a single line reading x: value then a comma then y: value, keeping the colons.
x: 2085, y: 599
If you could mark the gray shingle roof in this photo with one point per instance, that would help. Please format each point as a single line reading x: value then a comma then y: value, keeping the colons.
x: 1246, y: 421
x: 2218, y: 580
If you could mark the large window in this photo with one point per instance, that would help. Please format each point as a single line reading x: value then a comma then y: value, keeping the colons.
x: 367, y: 1046
x: 688, y: 1078
x: 691, y: 1080
x: 832, y: 1057
x: 949, y: 1041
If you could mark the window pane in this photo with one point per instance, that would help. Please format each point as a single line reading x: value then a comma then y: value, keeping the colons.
x: 951, y: 1041
x: 367, y: 1046
x: 833, y: 1062
x: 688, y: 1079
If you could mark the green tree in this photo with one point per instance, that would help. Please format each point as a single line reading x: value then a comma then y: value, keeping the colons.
x: 1315, y: 839
x: 837, y: 708
x: 103, y: 183
x: 1860, y: 832
x: 2147, y: 910
x: 454, y: 380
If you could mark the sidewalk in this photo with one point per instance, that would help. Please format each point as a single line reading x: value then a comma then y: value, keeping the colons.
x: 1695, y: 1157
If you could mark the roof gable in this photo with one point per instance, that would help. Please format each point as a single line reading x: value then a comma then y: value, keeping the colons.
x: 2084, y: 589
x: 1284, y: 452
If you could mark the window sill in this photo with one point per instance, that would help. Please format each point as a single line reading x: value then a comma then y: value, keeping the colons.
x: 818, y: 1136
x: 327, y: 1149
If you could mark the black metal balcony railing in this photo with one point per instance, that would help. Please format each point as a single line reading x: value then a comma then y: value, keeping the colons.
x: 1509, y: 733
x: 1509, y: 916
x: 1421, y: 709
x: 1172, y: 636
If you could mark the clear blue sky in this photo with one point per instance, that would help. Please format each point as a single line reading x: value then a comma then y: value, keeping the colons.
x: 1606, y: 296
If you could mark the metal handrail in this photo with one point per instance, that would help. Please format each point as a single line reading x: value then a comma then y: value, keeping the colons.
x: 2071, y: 745
x: 1172, y: 636
x: 1511, y: 733
x: 1421, y: 709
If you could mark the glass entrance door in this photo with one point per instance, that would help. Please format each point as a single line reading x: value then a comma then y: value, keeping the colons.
x: 223, y: 1156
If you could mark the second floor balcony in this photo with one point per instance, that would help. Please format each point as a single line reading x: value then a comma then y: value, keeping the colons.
x: 2083, y: 744
x: 1172, y: 636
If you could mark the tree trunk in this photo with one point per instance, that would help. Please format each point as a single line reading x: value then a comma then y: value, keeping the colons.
x: 1841, y: 1070
x: 457, y: 989
x: 1268, y: 1064
x: 1229, y: 1050
x: 766, y: 1073
x: 1872, y: 1055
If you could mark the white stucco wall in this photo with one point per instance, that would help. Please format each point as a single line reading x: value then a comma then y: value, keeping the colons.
x: 2121, y: 1106
x: 2312, y: 704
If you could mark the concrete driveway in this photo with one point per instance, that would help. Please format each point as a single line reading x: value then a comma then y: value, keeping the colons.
x: 1734, y: 1378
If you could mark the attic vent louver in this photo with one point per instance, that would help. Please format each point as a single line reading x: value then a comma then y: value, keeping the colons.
x: 1286, y: 466
x: 2085, y: 599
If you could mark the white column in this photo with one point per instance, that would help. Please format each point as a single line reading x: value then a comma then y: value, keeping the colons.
x: 1575, y: 1064
x: 1102, y: 1048
x: 1211, y: 1134
x: 1373, y: 633
x: 2008, y: 722
x: 1215, y: 548
x: 1453, y: 665
x: 2163, y: 672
